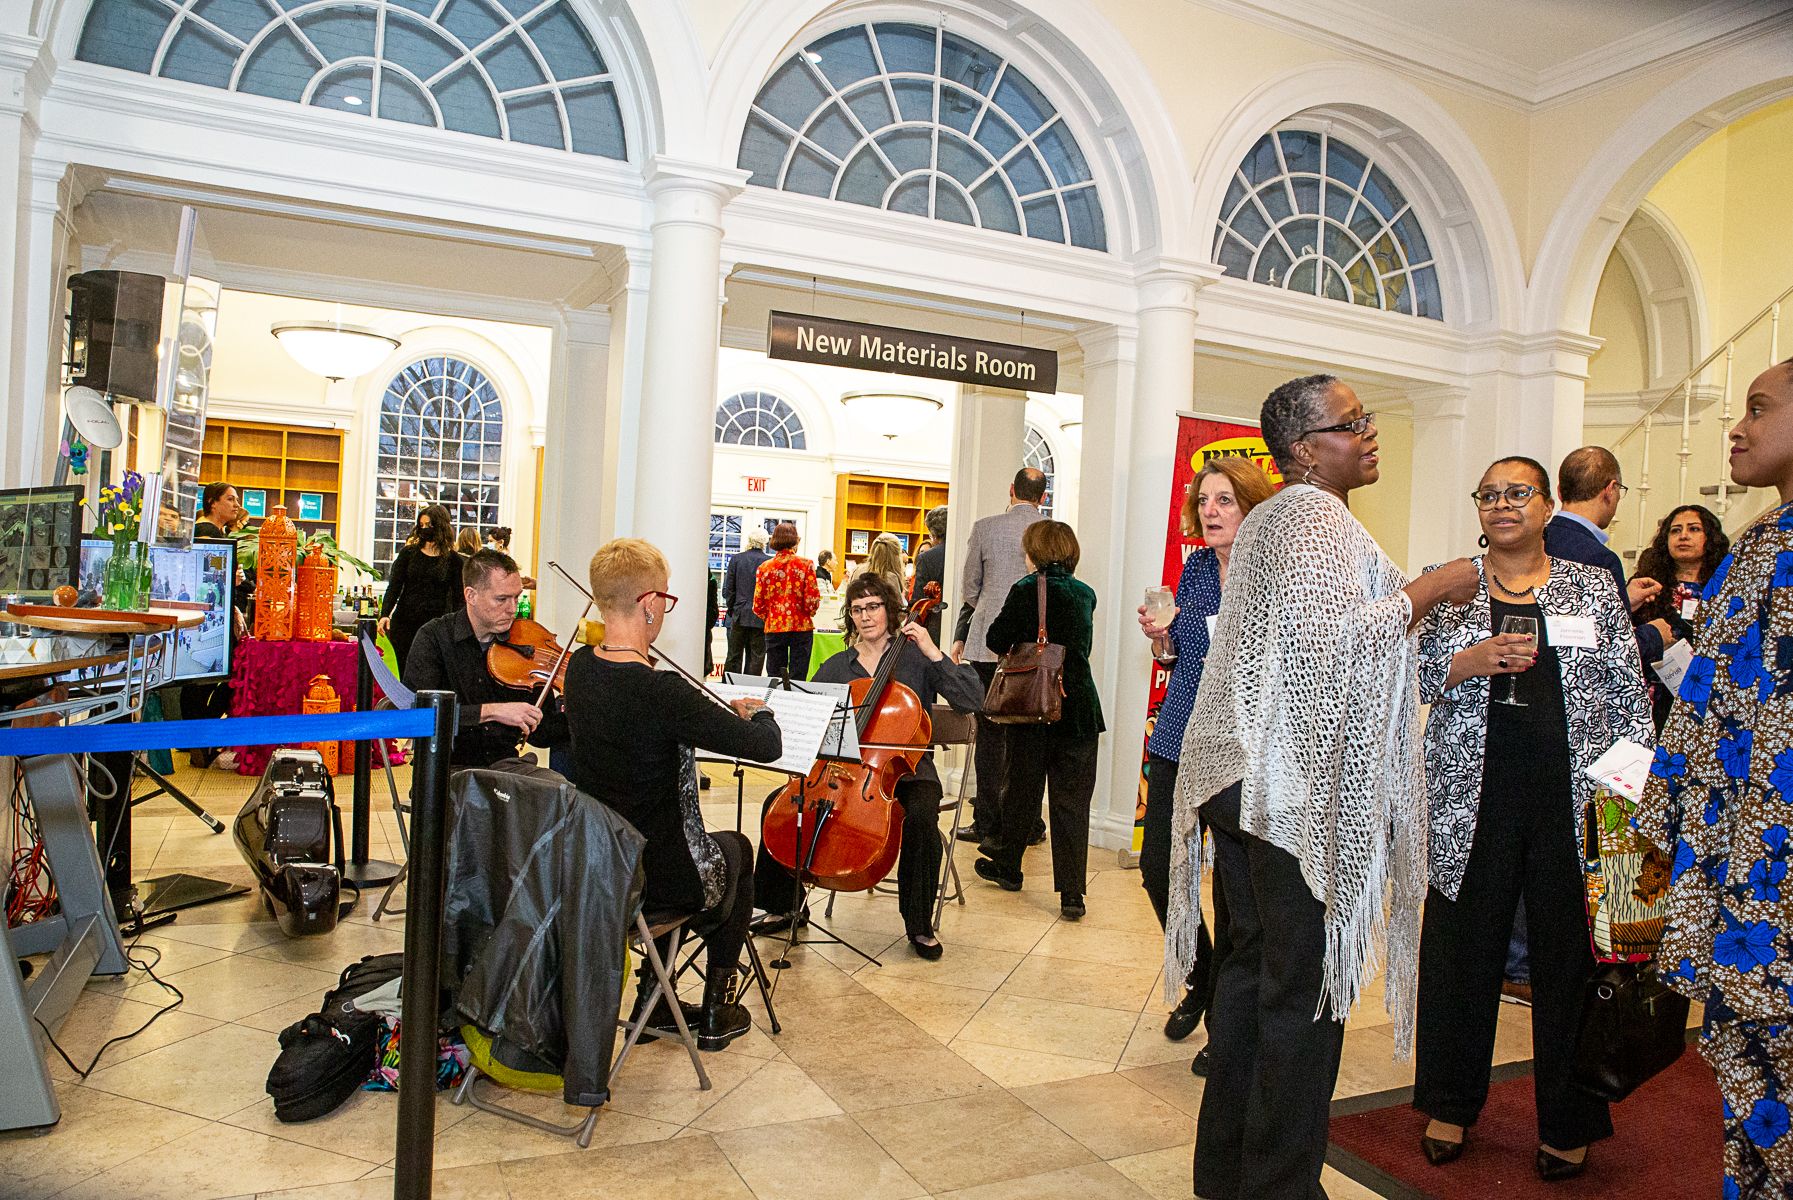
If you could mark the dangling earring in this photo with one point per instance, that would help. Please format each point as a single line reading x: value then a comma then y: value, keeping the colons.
x: 1482, y: 541
x: 650, y: 616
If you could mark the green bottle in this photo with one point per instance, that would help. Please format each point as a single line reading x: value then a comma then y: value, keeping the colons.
x: 525, y: 608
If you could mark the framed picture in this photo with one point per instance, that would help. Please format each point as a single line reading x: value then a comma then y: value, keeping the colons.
x: 311, y: 506
x: 903, y: 541
x: 860, y: 542
x: 40, y: 529
x: 255, y: 502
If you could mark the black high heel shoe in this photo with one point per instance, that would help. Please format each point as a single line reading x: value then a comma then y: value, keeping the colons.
x: 930, y: 951
x: 1438, y: 1151
x: 1552, y: 1169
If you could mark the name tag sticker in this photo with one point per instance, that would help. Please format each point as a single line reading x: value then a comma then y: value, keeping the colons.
x: 1690, y: 609
x: 1212, y: 622
x: 1572, y: 631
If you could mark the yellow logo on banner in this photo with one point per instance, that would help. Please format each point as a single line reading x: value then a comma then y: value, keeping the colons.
x: 1238, y: 447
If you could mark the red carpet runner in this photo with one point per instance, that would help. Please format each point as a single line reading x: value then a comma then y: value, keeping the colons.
x: 1667, y: 1142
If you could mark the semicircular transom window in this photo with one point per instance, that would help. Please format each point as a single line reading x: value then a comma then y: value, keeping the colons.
x: 441, y: 442
x: 1311, y: 213
x: 517, y: 70
x: 1036, y: 452
x: 756, y: 418
x: 910, y: 118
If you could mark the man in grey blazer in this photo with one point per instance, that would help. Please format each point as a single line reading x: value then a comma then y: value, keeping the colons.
x: 993, y: 562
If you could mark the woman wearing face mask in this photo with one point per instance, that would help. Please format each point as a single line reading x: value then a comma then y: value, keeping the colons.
x: 1218, y: 499
x: 1515, y: 722
x: 423, y: 583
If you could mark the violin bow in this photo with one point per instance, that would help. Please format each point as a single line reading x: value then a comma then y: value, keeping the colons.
x: 565, y: 652
x: 653, y: 655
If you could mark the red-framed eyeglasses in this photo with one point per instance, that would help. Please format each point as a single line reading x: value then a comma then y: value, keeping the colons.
x: 672, y: 601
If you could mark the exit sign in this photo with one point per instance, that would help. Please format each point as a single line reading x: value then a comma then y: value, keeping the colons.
x: 756, y: 483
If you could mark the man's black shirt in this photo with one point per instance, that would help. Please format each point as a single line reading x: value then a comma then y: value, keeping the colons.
x: 448, y: 657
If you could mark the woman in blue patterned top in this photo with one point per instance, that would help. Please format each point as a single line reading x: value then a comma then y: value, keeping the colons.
x: 1217, y: 501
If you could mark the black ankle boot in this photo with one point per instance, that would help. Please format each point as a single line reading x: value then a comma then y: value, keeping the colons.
x: 722, y: 1020
x: 660, y: 1022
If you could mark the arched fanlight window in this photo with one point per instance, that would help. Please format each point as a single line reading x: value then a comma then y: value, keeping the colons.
x: 758, y: 418
x: 1036, y: 452
x: 517, y: 70
x: 913, y: 119
x: 441, y: 442
x: 1309, y: 212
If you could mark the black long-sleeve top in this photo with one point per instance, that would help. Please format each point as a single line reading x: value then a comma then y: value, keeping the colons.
x: 420, y: 587
x: 956, y: 683
x: 447, y: 656
x: 628, y: 723
x: 1070, y: 621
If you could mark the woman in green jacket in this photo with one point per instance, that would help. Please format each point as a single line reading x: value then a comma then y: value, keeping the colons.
x: 1063, y: 753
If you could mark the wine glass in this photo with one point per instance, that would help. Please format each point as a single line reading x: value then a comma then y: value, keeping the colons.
x: 1159, y: 601
x: 1527, y: 627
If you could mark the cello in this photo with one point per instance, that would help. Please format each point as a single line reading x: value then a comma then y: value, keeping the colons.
x: 840, y: 827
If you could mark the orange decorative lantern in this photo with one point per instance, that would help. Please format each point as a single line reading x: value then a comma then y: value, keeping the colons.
x: 317, y: 597
x: 320, y: 697
x: 276, y: 552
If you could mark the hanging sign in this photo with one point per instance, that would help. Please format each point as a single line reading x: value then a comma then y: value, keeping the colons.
x: 756, y: 483
x: 911, y: 352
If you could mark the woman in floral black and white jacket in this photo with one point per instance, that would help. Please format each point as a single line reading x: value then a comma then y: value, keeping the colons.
x: 1505, y: 787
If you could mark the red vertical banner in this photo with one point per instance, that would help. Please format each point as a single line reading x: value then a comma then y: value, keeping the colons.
x: 1198, y: 440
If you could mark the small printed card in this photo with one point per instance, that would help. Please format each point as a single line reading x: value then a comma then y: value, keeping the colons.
x: 1623, y: 768
x: 1673, y: 666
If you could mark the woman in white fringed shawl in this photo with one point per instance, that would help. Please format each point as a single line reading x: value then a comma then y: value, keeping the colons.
x: 1302, y: 756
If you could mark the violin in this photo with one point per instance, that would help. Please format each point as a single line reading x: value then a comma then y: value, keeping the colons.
x: 840, y: 827
x: 527, y: 656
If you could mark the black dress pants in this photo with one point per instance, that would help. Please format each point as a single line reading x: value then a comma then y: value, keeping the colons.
x: 1524, y: 846
x: 1261, y: 1133
x: 746, y: 651
x: 1043, y: 763
x: 990, y: 761
x: 787, y: 654
x: 722, y: 928
x: 918, y: 862
x: 1154, y: 875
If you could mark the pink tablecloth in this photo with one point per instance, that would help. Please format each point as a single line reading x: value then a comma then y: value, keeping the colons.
x: 269, y: 679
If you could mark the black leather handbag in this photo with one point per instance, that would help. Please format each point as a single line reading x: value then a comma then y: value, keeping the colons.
x: 1633, y: 1027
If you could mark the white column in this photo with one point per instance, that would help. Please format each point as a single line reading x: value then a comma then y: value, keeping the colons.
x: 32, y: 200
x: 1542, y: 398
x: 573, y: 499
x: 1438, y: 527
x: 622, y: 417
x: 678, y: 383
x: 987, y: 442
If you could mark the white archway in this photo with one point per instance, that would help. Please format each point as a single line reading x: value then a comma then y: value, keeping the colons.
x: 1668, y: 284
x: 1066, y: 46
x: 1629, y: 163
x: 1389, y: 116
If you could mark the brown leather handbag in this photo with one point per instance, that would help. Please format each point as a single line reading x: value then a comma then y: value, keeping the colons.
x: 1029, y: 687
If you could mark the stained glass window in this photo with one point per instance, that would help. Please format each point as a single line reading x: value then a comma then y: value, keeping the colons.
x: 1311, y: 213
x: 913, y: 119
x: 756, y: 418
x: 1035, y: 452
x: 441, y: 442
x: 518, y: 70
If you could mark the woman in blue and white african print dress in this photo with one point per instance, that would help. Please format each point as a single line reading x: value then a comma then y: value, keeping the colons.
x: 1217, y: 501
x: 1720, y: 804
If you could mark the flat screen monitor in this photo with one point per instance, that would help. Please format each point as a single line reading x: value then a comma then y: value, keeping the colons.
x: 38, y: 530
x: 202, y: 576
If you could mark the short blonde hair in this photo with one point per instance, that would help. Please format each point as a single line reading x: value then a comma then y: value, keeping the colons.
x: 622, y: 569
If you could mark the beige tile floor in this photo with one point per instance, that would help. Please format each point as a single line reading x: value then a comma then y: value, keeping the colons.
x: 1029, y: 1062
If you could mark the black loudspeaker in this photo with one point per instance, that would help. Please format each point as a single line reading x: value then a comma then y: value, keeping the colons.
x: 115, y: 323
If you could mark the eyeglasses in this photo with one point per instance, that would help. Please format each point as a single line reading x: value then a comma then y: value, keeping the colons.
x: 1359, y: 427
x: 1517, y: 496
x: 866, y: 610
x: 672, y: 601
x: 1622, y: 489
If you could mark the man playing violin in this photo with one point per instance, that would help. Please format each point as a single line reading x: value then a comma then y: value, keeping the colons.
x: 875, y: 613
x: 449, y: 654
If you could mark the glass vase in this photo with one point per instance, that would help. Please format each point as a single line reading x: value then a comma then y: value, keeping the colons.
x: 126, y: 582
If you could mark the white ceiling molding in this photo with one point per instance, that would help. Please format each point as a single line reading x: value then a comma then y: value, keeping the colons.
x: 1481, y: 71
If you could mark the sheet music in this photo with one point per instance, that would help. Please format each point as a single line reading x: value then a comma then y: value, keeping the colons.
x: 803, y: 718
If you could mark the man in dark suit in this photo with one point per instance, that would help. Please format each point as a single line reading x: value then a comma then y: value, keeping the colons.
x: 1589, y: 490
x: 930, y: 567
x: 746, y: 632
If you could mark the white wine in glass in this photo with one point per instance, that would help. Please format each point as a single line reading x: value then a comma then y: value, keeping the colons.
x: 1507, y: 692
x: 1159, y: 602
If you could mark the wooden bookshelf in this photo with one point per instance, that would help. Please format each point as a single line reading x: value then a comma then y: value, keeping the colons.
x: 874, y: 504
x: 281, y: 460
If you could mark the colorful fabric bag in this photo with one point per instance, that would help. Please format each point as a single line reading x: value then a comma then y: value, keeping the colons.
x: 1627, y: 881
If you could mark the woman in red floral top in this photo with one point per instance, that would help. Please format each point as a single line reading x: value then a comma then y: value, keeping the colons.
x: 785, y: 597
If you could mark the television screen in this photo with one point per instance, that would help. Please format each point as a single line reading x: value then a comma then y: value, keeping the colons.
x: 38, y: 529
x: 203, y: 576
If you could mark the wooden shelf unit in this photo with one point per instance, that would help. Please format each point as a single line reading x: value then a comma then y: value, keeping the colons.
x: 875, y: 504
x: 282, y: 460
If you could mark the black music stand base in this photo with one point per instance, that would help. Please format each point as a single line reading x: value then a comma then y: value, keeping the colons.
x: 828, y: 936
x: 373, y: 873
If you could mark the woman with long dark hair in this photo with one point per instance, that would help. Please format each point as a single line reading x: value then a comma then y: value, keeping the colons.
x: 1689, y: 544
x: 424, y: 581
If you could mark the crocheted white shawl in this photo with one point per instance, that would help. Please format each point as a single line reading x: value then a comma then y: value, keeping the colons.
x: 1309, y: 700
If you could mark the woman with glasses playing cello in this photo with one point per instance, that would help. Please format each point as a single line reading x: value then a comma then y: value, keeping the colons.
x: 874, y: 610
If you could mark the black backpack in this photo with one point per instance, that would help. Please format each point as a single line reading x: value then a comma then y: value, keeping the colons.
x: 323, y: 1059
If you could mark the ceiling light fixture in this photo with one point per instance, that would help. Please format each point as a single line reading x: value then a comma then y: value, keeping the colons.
x: 332, y: 349
x: 891, y: 414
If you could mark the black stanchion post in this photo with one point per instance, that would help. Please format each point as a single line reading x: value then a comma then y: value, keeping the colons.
x: 367, y: 873
x: 423, y: 953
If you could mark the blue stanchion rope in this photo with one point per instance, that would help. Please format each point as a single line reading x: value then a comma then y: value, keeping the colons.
x: 238, y: 731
